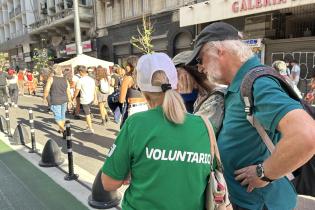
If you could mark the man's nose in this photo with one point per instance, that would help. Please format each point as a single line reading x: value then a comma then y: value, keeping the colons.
x: 200, y: 68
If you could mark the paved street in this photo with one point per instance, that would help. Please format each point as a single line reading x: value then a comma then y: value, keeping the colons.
x: 89, y: 149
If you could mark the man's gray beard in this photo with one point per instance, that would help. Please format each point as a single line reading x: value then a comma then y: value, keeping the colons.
x: 214, y: 81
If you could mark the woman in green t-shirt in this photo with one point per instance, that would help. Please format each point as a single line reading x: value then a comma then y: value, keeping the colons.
x: 164, y: 152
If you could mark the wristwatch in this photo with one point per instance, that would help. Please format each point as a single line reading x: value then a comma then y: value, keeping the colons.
x: 261, y: 174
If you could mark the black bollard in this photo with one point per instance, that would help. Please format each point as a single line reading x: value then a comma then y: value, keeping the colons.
x: 31, y: 118
x: 70, y: 176
x: 51, y: 155
x: 100, y: 198
x: 7, y: 118
x: 20, y: 135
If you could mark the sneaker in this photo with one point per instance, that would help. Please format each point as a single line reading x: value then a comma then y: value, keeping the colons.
x: 15, y: 105
x: 1, y: 107
x: 88, y: 130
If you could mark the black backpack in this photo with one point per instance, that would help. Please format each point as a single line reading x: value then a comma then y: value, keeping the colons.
x: 304, y: 176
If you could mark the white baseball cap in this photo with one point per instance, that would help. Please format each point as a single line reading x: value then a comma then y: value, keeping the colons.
x: 148, y: 65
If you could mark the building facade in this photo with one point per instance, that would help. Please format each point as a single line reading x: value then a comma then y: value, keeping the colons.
x: 277, y: 29
x: 117, y: 21
x: 29, y: 24
x: 54, y: 27
x: 15, y: 19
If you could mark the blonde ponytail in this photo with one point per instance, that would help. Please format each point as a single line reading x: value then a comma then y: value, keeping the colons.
x: 173, y: 107
x: 173, y: 104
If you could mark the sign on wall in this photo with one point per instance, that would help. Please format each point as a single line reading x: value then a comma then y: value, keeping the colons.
x: 72, y: 49
x: 257, y: 47
x: 215, y: 10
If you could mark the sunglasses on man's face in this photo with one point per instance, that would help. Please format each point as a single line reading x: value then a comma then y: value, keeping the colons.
x: 199, y: 61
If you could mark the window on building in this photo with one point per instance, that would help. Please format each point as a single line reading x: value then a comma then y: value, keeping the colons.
x: 146, y: 6
x: 132, y: 8
x: 109, y: 11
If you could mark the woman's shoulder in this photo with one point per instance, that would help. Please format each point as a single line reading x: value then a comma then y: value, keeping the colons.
x: 191, y: 118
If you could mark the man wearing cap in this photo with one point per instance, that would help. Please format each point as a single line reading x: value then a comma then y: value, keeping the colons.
x: 256, y: 179
x: 209, y: 99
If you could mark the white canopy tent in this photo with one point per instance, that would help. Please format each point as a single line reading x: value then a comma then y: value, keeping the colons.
x: 86, y: 61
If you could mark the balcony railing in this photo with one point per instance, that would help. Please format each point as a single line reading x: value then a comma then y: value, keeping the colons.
x: 49, y: 19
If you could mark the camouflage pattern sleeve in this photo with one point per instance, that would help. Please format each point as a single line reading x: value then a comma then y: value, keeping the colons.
x: 212, y: 106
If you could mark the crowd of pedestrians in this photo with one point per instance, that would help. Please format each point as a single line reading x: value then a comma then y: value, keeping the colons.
x: 14, y: 83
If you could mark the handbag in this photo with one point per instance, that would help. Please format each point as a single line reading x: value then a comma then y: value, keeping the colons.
x: 217, y: 197
x: 114, y: 97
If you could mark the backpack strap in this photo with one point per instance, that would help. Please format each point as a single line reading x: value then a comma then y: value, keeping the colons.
x: 247, y: 95
x: 250, y: 78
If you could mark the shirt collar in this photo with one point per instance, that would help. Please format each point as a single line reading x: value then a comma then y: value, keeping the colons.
x: 246, y: 67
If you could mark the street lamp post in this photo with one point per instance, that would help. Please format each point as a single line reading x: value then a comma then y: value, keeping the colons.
x: 77, y: 27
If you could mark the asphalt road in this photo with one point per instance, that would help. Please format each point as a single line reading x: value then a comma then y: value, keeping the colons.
x: 88, y: 149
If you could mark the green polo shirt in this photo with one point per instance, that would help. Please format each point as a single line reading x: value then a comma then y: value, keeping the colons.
x: 169, y: 163
x: 240, y: 145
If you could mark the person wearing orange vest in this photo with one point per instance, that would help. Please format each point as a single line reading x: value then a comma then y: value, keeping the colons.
x: 21, y: 81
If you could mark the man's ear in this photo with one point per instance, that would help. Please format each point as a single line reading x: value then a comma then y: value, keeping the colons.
x: 221, y: 51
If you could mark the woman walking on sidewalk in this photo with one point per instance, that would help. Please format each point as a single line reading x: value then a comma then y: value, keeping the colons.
x: 59, y: 90
x: 102, y: 90
x: 130, y: 94
x: 13, y: 87
x: 21, y: 81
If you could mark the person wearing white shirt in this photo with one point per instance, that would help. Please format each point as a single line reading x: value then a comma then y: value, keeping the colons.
x: 86, y: 87
x: 295, y: 72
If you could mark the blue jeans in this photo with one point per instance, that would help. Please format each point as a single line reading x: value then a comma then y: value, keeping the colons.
x: 59, y: 111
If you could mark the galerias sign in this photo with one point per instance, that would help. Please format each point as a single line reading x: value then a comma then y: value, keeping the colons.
x: 244, y: 5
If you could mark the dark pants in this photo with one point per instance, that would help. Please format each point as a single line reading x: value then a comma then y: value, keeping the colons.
x: 3, y: 95
x: 14, y: 93
x: 236, y: 207
x: 116, y: 108
x: 124, y: 114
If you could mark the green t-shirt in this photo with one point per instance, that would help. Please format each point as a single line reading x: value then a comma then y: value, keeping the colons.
x: 169, y: 163
x: 240, y: 145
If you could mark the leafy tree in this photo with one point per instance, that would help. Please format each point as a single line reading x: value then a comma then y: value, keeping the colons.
x: 144, y: 40
x: 3, y: 60
x: 41, y: 60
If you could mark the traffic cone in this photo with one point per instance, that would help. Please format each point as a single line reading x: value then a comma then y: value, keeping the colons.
x: 51, y: 155
x: 101, y: 199
x: 20, y: 135
x: 3, y: 124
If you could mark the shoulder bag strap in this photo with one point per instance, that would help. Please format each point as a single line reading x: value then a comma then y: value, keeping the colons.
x: 213, y: 142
